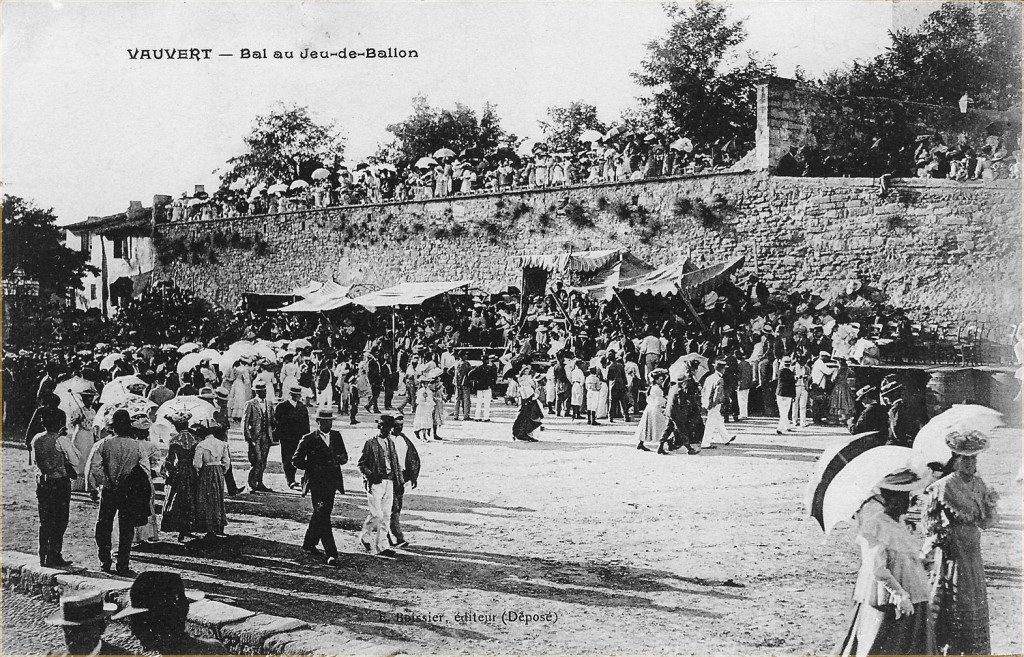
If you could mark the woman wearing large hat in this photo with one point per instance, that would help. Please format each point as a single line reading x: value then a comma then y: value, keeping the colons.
x: 653, y: 421
x: 890, y: 614
x: 959, y: 506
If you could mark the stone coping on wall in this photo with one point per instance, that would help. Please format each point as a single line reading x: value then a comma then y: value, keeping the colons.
x: 833, y: 181
x: 240, y: 630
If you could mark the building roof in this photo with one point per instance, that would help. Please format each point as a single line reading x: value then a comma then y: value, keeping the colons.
x: 134, y: 218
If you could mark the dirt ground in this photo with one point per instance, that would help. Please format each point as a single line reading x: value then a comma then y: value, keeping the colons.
x: 578, y: 544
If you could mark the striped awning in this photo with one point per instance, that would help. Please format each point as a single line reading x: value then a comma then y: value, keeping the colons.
x: 569, y: 261
x: 329, y: 297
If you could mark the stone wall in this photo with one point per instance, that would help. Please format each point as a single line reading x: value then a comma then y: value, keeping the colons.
x: 947, y: 251
x: 792, y: 114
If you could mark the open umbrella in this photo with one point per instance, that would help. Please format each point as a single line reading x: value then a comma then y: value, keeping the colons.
x: 298, y: 184
x: 386, y: 166
x: 266, y: 351
x: 930, y: 442
x: 237, y: 185
x: 228, y: 359
x: 189, y: 362
x: 590, y: 136
x: 682, y: 144
x: 678, y: 368
x: 244, y: 349
x: 425, y: 162
x: 831, y: 463
x: 615, y: 132
x: 279, y: 188
x: 120, y: 387
x: 320, y: 174
x: 134, y: 404
x: 443, y: 153
x: 525, y: 149
x: 189, y: 347
x: 301, y: 343
x: 209, y: 354
x: 196, y: 201
x: 854, y: 483
x: 70, y: 393
x: 199, y: 409
x: 110, y: 360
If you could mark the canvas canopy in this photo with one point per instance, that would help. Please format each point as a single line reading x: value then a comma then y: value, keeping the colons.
x: 408, y: 294
x: 329, y: 297
x: 584, y: 261
x: 701, y: 281
x: 307, y: 289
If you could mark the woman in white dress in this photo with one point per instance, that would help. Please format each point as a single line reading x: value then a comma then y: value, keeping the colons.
x: 653, y: 421
x: 423, y: 421
x: 151, y: 460
x: 267, y: 377
x: 602, y: 401
x: 82, y: 435
x: 240, y: 392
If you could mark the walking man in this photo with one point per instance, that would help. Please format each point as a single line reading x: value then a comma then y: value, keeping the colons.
x: 462, y: 387
x: 115, y: 467
x: 321, y: 454
x: 409, y: 459
x: 56, y: 461
x: 713, y: 397
x: 382, y: 473
x: 291, y: 424
x: 785, y: 393
x: 373, y: 377
x: 483, y: 377
x: 256, y: 429
x: 617, y: 388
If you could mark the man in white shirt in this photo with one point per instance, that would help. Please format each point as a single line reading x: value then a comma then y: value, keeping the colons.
x: 650, y: 351
x: 821, y: 384
x: 712, y: 397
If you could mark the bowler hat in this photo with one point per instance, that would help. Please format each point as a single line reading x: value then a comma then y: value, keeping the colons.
x: 156, y: 589
x: 81, y: 608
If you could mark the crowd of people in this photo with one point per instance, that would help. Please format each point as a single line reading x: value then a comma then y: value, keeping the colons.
x: 618, y: 155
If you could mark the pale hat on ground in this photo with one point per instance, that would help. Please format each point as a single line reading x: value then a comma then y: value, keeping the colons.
x: 967, y: 443
x: 81, y: 608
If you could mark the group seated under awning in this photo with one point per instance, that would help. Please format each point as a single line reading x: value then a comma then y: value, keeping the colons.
x: 329, y: 296
x: 408, y: 294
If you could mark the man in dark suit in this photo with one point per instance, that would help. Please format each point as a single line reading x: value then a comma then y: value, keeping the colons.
x: 409, y: 461
x: 321, y: 454
x: 373, y: 377
x: 292, y: 420
x: 617, y: 388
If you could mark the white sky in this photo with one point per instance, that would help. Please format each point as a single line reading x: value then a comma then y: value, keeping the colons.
x: 85, y: 129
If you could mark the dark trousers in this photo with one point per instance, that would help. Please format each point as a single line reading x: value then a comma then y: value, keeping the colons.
x: 353, y: 404
x: 258, y: 452
x: 319, y: 530
x: 113, y: 502
x: 462, y: 394
x: 617, y: 401
x: 396, y: 510
x: 389, y: 395
x: 54, y: 500
x: 371, y: 403
x: 288, y: 446
x: 229, y: 478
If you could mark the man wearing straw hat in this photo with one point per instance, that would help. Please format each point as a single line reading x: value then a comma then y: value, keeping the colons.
x: 903, y: 427
x: 382, y: 473
x: 292, y: 423
x: 257, y: 423
x: 83, y: 617
x: 320, y: 454
x: 157, y: 611
x: 873, y: 416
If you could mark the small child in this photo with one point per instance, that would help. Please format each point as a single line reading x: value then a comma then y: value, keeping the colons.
x: 593, y: 395
x: 512, y: 391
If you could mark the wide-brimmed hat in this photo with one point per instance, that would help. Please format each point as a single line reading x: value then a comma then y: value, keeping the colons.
x: 659, y: 371
x: 866, y: 390
x: 825, y: 354
x: 259, y: 385
x: 890, y: 385
x: 294, y: 389
x: 966, y: 443
x: 221, y: 394
x: 206, y: 392
x: 81, y: 608
x: 324, y: 413
x: 178, y: 416
x: 156, y: 589
x: 905, y: 479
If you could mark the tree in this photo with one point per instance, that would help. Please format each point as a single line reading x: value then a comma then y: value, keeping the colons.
x: 284, y: 145
x: 958, y: 49
x: 564, y: 126
x: 701, y: 83
x: 33, y: 241
x: 429, y: 128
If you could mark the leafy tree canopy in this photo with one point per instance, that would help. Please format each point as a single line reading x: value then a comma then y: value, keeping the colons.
x: 284, y: 145
x: 430, y: 128
x: 33, y: 241
x: 960, y: 48
x: 700, y: 81
x: 564, y: 125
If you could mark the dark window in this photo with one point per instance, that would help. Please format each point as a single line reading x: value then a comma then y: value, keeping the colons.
x: 86, y: 243
x: 121, y: 248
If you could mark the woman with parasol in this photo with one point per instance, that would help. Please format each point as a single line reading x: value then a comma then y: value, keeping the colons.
x: 890, y: 615
x: 959, y: 506
x: 181, y: 478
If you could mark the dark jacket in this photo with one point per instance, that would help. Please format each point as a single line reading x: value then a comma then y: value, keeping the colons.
x: 787, y: 383
x: 902, y: 425
x: 321, y: 465
x: 372, y: 465
x: 483, y: 377
x: 411, y: 467
x: 616, y: 376
x: 292, y: 421
x: 873, y: 417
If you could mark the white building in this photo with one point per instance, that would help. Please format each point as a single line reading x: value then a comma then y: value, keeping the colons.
x: 120, y: 246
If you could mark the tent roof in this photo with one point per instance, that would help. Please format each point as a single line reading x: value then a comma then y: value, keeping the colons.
x: 663, y: 281
x: 569, y: 261
x: 307, y: 289
x: 328, y: 297
x: 700, y: 282
x: 408, y: 294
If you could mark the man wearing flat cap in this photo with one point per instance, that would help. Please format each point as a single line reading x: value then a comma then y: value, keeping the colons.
x: 320, y: 455
x: 83, y: 617
x: 157, y: 611
x: 257, y: 424
x: 292, y: 423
